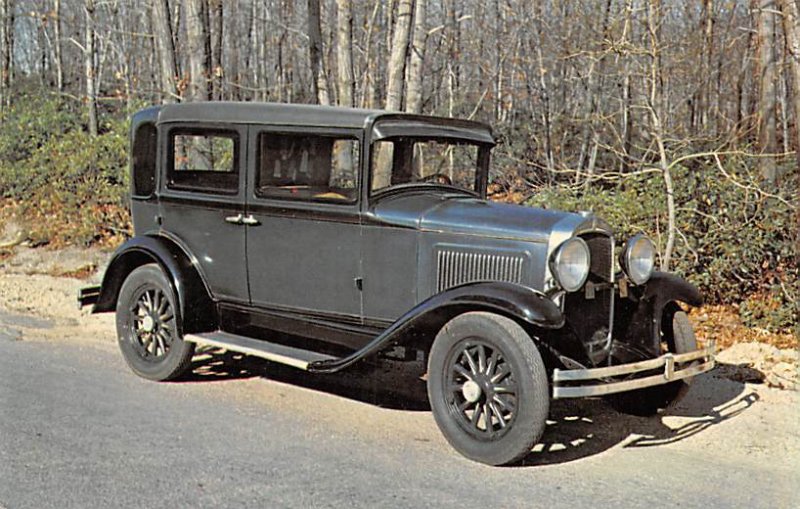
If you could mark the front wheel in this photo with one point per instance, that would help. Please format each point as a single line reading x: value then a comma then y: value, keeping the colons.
x: 146, y: 326
x: 488, y: 388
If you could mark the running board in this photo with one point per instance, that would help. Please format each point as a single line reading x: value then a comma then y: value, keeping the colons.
x: 274, y: 352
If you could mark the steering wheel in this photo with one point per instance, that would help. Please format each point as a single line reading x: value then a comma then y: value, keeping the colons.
x: 438, y: 178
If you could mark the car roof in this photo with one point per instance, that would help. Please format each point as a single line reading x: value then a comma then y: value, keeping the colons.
x: 266, y: 113
x: 299, y: 115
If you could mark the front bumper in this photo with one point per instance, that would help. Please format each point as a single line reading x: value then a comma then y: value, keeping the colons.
x: 579, y: 383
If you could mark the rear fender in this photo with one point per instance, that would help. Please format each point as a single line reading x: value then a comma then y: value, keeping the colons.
x: 189, y: 289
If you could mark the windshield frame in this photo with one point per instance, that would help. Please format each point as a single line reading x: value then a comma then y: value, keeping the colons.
x: 481, y: 170
x: 380, y: 126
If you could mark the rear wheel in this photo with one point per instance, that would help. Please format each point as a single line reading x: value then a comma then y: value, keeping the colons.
x: 488, y: 388
x: 147, y: 326
x: 678, y: 335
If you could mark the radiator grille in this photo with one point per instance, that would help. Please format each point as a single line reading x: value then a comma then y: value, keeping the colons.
x: 457, y: 268
x: 601, y: 248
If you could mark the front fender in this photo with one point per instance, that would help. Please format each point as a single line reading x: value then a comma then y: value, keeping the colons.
x: 665, y: 287
x: 638, y: 321
x: 188, y: 286
x: 508, y: 299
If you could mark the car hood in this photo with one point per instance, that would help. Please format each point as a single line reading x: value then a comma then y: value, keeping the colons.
x: 473, y: 216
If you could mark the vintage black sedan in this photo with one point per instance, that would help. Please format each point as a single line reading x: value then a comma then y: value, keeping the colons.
x: 359, y: 231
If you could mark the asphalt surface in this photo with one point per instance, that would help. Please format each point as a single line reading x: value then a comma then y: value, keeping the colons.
x: 78, y: 429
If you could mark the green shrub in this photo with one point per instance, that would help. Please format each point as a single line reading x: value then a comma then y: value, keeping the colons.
x: 69, y: 187
x: 733, y: 239
x: 30, y: 121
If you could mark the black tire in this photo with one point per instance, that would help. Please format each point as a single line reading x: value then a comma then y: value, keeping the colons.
x: 486, y: 364
x: 146, y: 326
x: 678, y: 334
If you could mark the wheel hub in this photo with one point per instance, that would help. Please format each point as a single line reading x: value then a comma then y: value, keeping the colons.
x: 148, y: 323
x: 472, y: 391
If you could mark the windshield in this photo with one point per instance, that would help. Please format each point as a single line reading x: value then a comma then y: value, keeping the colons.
x: 423, y: 161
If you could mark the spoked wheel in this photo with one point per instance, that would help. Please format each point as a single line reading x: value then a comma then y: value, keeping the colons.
x: 146, y: 326
x: 484, y: 391
x: 153, y: 324
x: 488, y: 388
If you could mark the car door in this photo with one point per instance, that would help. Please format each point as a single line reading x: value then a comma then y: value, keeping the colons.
x: 304, y: 238
x: 201, y: 196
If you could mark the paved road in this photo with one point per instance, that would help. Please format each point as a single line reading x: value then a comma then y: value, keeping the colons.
x: 77, y: 429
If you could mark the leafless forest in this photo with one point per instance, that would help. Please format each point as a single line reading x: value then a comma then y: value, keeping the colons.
x: 584, y: 95
x: 596, y: 86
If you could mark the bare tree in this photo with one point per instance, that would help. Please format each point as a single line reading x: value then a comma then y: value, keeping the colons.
x: 416, y: 58
x: 216, y: 7
x: 344, y: 53
x: 195, y: 12
x: 165, y: 47
x: 655, y: 103
x: 791, y: 29
x: 319, y: 80
x: 58, y: 45
x: 767, y: 95
x: 397, y: 59
x: 6, y: 50
x: 90, y: 68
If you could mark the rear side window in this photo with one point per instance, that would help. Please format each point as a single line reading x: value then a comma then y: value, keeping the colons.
x: 307, y: 168
x: 144, y: 160
x: 204, y: 161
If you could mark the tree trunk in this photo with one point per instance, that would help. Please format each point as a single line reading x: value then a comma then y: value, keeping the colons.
x: 90, y: 70
x: 3, y: 52
x: 319, y: 78
x: 344, y: 56
x: 416, y: 58
x: 6, y: 50
x: 792, y: 31
x: 59, y: 62
x: 216, y: 48
x: 397, y: 59
x: 165, y: 48
x: 656, y: 109
x: 767, y: 96
x: 368, y: 73
x: 705, y: 100
x: 197, y: 44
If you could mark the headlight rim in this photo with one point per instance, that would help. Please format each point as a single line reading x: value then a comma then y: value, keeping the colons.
x: 625, y: 260
x: 555, y: 259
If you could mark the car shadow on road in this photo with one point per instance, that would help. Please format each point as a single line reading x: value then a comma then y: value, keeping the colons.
x: 384, y: 382
x: 576, y: 429
x: 579, y: 429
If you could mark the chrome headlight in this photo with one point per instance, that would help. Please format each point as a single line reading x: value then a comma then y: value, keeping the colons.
x: 639, y: 259
x: 570, y: 264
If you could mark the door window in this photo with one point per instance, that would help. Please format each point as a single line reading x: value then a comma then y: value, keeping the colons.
x: 304, y: 167
x: 204, y: 161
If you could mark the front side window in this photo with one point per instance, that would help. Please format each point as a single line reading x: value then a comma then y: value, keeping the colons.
x: 204, y: 161
x: 306, y: 167
x: 406, y: 161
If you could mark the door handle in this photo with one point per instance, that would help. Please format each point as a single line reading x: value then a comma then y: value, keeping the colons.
x: 250, y: 221
x: 237, y: 219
